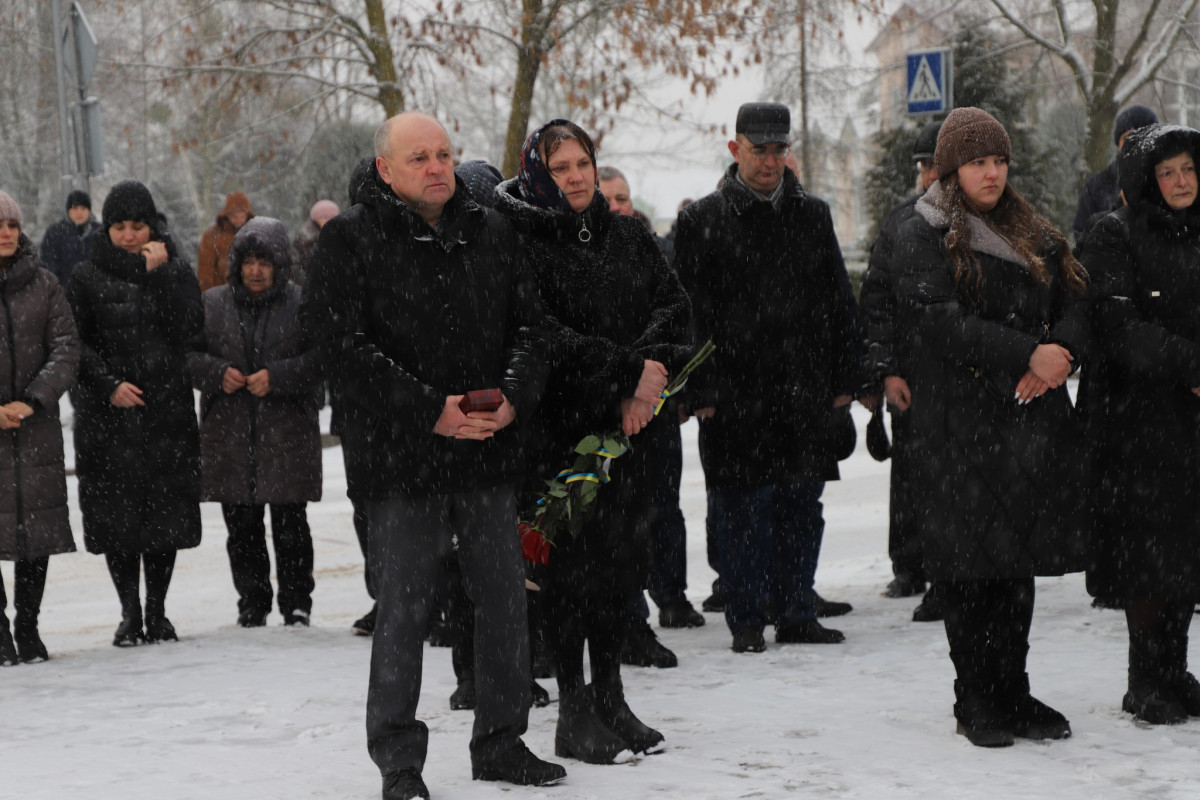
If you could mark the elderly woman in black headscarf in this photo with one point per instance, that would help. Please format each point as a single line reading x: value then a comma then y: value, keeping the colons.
x: 260, y: 439
x: 1144, y: 414
x: 137, y: 448
x: 619, y: 318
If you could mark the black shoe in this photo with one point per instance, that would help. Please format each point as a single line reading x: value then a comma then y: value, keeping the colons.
x: 542, y: 665
x: 296, y: 618
x: 582, y: 735
x: 518, y: 766
x: 679, y: 613
x: 463, y: 698
x: 1033, y: 719
x: 904, y: 586
x: 931, y: 608
x: 643, y: 649
x: 808, y: 631
x: 1156, y: 705
x: 252, y: 619
x: 538, y: 696
x: 8, y: 650
x: 1109, y: 603
x: 365, y: 625
x: 714, y: 603
x: 129, y: 632
x: 160, y: 629
x: 404, y: 785
x: 440, y: 634
x: 979, y: 719
x: 1185, y: 687
x: 748, y: 640
x: 29, y: 645
x: 829, y: 608
x: 614, y: 712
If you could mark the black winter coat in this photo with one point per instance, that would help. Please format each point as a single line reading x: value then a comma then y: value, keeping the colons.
x: 1142, y: 415
x: 1004, y: 483
x: 405, y: 316
x: 258, y: 450
x: 139, y: 468
x: 65, y: 245
x: 1101, y: 194
x: 769, y: 287
x: 611, y: 303
x: 886, y: 349
x: 38, y: 360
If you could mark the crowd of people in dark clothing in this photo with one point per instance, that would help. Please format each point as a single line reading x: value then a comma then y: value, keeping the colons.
x: 472, y: 331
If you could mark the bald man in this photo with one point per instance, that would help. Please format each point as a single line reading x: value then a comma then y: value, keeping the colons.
x: 417, y: 296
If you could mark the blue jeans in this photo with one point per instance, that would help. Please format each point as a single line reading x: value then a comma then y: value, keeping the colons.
x: 768, y: 540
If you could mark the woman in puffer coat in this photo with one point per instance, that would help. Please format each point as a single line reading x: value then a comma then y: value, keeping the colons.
x: 994, y: 299
x: 260, y: 440
x: 619, y: 319
x: 1144, y: 414
x: 38, y: 359
x: 137, y: 448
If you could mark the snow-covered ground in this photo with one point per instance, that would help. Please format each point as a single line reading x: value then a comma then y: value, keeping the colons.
x: 234, y: 714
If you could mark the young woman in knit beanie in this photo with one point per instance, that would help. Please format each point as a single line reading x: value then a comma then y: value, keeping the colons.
x: 39, y: 354
x: 137, y: 447
x: 994, y: 298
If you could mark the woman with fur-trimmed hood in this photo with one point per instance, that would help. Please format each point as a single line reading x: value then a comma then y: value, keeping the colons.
x: 259, y: 435
x: 992, y: 295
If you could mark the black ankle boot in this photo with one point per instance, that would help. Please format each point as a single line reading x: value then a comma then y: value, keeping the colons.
x: 1181, y: 683
x: 1030, y: 717
x: 129, y: 632
x: 978, y: 717
x: 614, y: 712
x: 8, y: 650
x: 1150, y: 696
x: 463, y: 696
x: 29, y: 644
x: 581, y: 735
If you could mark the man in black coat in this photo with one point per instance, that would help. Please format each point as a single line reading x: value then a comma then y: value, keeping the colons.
x: 65, y: 243
x: 762, y: 264
x: 886, y: 368
x: 417, y: 296
x: 1101, y: 192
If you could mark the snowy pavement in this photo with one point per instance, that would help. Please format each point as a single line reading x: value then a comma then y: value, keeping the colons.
x: 232, y: 714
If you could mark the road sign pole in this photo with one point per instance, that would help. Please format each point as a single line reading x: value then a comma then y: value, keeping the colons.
x: 64, y: 132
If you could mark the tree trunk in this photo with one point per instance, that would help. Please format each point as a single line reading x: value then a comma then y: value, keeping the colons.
x: 805, y: 148
x: 529, y: 63
x: 383, y: 59
x: 1097, y: 148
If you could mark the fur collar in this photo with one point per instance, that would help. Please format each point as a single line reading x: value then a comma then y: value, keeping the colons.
x: 931, y: 206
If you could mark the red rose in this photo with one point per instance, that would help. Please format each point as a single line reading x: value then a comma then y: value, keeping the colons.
x: 533, y: 544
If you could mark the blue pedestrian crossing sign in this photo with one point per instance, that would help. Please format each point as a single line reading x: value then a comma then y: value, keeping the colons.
x: 930, y: 87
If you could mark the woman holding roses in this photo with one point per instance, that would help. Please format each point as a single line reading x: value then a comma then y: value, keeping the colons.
x: 619, y: 318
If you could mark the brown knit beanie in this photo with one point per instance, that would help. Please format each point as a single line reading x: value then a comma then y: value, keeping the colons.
x: 10, y: 210
x: 967, y: 134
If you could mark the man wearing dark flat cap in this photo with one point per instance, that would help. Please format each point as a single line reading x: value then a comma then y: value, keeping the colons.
x: 768, y: 285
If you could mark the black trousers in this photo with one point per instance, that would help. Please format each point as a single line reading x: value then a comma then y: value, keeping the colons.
x: 29, y: 585
x: 125, y: 570
x: 987, y: 626
x: 251, y: 566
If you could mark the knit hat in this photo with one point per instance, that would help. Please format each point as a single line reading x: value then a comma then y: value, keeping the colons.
x: 323, y: 211
x: 480, y: 178
x: 129, y: 200
x: 1130, y: 119
x: 10, y: 210
x: 78, y: 197
x: 967, y: 134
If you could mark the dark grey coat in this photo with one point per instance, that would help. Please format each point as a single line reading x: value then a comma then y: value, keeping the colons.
x: 139, y: 468
x: 258, y: 450
x: 38, y: 360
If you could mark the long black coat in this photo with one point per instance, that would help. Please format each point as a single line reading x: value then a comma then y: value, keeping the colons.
x: 1101, y: 194
x: 139, y: 468
x: 886, y: 348
x: 1003, y: 482
x: 38, y: 360
x: 611, y: 303
x: 406, y: 316
x: 65, y: 245
x: 769, y: 287
x: 1142, y: 415
x: 258, y: 450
